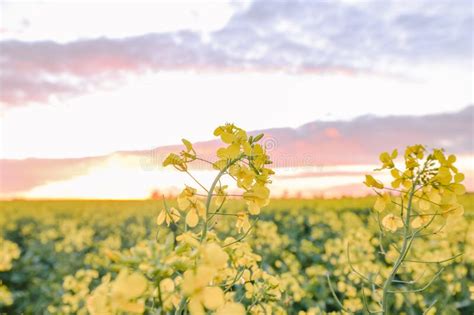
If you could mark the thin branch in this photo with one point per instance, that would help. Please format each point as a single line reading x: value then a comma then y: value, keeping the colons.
x: 194, y: 178
x: 366, y: 304
x: 434, y: 262
x: 354, y: 270
x: 243, y: 236
x: 422, y: 288
x: 217, y: 213
x: 335, y: 296
x: 430, y: 307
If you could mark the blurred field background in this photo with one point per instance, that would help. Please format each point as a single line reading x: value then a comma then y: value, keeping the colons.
x: 301, y: 239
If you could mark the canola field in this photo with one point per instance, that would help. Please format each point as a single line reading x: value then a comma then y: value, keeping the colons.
x: 57, y: 256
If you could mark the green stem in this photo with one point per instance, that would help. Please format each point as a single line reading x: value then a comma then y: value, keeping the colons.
x: 160, y: 297
x: 210, y: 194
x: 403, y: 253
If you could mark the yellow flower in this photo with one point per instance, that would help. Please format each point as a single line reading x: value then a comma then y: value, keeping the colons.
x: 392, y: 222
x: 420, y: 221
x: 258, y: 156
x: 229, y: 153
x: 198, y: 205
x: 97, y: 302
x: 167, y: 285
x: 382, y: 202
x: 195, y: 285
x: 190, y: 153
x: 187, y: 200
x: 212, y: 297
x: 256, y: 198
x: 403, y: 179
x: 427, y: 197
x: 176, y: 161
x: 186, y: 197
x: 387, y: 159
x: 172, y: 215
x: 458, y: 177
x: 445, y: 162
x: 457, y: 188
x: 370, y: 181
x: 454, y: 209
x: 244, y: 175
x: 411, y: 162
x: 6, y: 298
x: 220, y: 194
x: 188, y: 238
x: 225, y: 132
x: 169, y: 295
x: 194, y: 281
x: 124, y: 294
x: 9, y: 251
x: 263, y: 177
x: 213, y: 255
x: 192, y: 218
x: 243, y: 223
x: 249, y: 290
x: 240, y: 136
x: 232, y: 309
x: 128, y: 286
x: 444, y: 176
x: 416, y: 150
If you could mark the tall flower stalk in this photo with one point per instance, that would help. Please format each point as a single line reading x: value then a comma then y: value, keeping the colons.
x: 426, y: 189
x: 419, y: 203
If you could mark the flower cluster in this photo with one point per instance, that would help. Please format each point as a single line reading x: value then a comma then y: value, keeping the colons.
x: 424, y: 200
x: 429, y: 183
x: 242, y: 158
x: 300, y: 240
x: 196, y: 270
x: 9, y: 251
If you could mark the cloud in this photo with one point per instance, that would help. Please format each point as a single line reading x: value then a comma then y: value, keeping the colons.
x: 359, y: 142
x: 23, y: 175
x: 291, y: 36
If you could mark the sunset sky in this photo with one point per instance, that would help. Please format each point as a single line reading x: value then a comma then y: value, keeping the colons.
x: 82, y: 80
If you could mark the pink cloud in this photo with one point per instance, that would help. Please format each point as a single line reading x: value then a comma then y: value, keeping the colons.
x: 35, y: 71
x: 358, y: 143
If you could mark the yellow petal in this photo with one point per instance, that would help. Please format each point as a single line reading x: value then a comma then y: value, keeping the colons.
x: 424, y: 205
x: 254, y: 209
x: 231, y: 309
x: 215, y: 256
x: 233, y: 151
x: 459, y: 177
x: 394, y: 154
x: 167, y: 285
x: 132, y: 307
x: 459, y: 189
x: 195, y: 307
x: 227, y: 137
x: 416, y: 223
x: 188, y: 145
x: 213, y: 297
x: 391, y: 222
x: 136, y: 284
x: 218, y: 131
x: 192, y: 218
x: 161, y: 217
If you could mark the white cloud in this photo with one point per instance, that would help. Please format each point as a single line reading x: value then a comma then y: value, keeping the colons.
x: 159, y: 109
x: 70, y: 20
